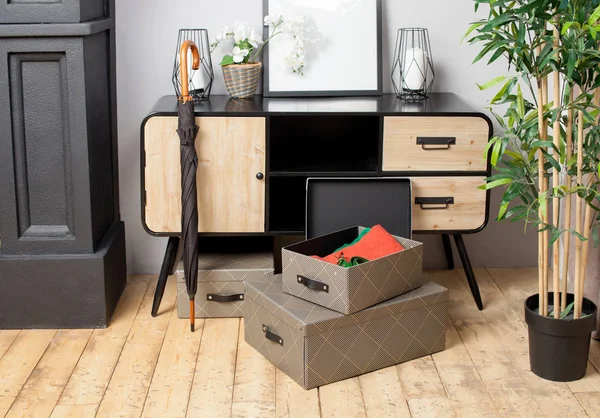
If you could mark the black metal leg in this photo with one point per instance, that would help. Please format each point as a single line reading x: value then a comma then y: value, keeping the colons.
x: 448, y: 251
x: 177, y: 258
x: 167, y: 266
x: 464, y: 258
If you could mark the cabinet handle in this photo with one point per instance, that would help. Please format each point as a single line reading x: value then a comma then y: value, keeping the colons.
x: 435, y: 143
x: 260, y: 176
x: 212, y: 297
x: 313, y: 284
x: 271, y: 336
x: 434, y: 203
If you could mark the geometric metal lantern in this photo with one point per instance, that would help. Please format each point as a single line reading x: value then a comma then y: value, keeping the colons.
x: 201, y: 80
x: 412, y: 69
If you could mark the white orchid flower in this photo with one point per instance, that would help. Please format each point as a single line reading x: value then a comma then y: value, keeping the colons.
x: 245, y: 52
x: 240, y: 33
x: 238, y: 54
x: 254, y: 39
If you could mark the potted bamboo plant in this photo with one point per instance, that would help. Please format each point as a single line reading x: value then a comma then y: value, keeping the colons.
x: 547, y: 159
x: 241, y: 71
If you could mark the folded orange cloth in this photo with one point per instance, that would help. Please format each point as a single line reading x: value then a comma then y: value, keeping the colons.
x: 375, y: 244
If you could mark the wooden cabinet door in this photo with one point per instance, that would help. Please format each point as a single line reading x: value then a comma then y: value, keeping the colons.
x: 231, y: 152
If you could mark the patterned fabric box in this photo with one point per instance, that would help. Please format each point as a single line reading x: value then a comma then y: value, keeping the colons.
x: 316, y: 346
x: 349, y: 290
x: 220, y: 283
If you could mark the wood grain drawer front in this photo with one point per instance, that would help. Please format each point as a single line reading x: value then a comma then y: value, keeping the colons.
x: 231, y: 152
x: 448, y: 203
x: 434, y: 143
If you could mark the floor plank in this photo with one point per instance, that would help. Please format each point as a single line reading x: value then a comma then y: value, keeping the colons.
x: 552, y: 398
x: 169, y: 391
x: 90, y: 378
x: 254, y: 385
x: 149, y: 366
x: 494, y: 365
x: 7, y: 337
x: 292, y: 400
x: 127, y: 389
x: 342, y: 399
x: 382, y: 394
x: 74, y: 411
x: 431, y: 408
x: 461, y: 380
x: 40, y: 394
x: 212, y: 388
x: 590, y: 401
x: 19, y: 361
x: 420, y: 379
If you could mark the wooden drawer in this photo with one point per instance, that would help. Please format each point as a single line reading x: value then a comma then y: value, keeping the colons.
x: 434, y: 143
x: 231, y: 151
x: 448, y: 203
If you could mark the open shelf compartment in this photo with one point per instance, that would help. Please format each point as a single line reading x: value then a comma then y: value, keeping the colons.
x: 324, y: 143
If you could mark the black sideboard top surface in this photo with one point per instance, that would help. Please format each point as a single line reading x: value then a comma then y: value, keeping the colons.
x: 438, y: 104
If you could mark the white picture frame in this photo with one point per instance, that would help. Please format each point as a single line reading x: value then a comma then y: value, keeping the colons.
x: 346, y: 60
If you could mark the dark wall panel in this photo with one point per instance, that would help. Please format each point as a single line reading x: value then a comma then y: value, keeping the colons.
x: 44, y: 164
x: 100, y: 135
x: 41, y: 146
x: 51, y: 11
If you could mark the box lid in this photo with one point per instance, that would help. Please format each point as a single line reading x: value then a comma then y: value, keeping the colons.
x: 309, y: 318
x: 216, y: 267
x: 333, y: 204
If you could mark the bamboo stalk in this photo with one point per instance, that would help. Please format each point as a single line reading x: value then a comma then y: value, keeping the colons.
x: 545, y: 213
x: 567, y: 221
x: 556, y: 183
x: 587, y: 224
x: 578, y: 203
x: 541, y: 248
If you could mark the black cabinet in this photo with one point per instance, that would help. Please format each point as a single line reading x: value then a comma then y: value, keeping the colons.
x: 62, y: 254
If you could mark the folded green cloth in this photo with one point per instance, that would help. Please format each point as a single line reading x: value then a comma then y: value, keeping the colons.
x: 362, y: 234
x: 354, y: 261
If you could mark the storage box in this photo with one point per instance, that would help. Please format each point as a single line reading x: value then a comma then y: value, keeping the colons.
x: 349, y: 290
x: 316, y: 346
x: 220, y: 283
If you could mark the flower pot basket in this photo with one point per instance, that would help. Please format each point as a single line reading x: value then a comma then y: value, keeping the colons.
x: 241, y: 80
x: 559, y: 348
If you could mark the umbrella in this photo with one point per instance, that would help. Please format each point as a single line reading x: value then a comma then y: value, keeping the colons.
x: 187, y: 131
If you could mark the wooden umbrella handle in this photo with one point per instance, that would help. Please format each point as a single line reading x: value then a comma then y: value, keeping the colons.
x: 183, y: 63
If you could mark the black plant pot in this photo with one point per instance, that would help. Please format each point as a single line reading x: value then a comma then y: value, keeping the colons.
x: 559, y: 348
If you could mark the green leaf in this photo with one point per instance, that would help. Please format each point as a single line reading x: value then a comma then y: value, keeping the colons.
x: 495, y: 183
x: 496, y: 153
x: 492, y: 83
x: 502, y: 211
x: 520, y: 102
x: 471, y: 29
x: 227, y: 60
x: 567, y: 310
x: 595, y: 16
x: 566, y: 27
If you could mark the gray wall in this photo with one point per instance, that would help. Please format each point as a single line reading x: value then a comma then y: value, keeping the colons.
x: 146, y: 37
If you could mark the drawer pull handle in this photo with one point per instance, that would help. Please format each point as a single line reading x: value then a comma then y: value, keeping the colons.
x: 271, y: 336
x: 435, y: 143
x: 212, y: 297
x: 434, y: 203
x: 313, y: 284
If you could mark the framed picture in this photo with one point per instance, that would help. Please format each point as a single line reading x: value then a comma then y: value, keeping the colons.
x: 341, y: 48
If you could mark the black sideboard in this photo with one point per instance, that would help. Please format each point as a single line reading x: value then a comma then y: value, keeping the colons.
x: 255, y: 156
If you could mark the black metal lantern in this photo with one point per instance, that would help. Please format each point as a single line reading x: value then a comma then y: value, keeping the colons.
x: 201, y: 80
x: 412, y: 68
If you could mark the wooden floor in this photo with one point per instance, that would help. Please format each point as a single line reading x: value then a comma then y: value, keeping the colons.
x: 155, y: 367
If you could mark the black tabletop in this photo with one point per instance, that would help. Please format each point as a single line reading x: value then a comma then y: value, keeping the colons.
x: 436, y: 104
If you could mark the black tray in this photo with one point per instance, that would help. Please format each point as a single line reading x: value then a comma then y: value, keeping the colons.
x: 333, y: 204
